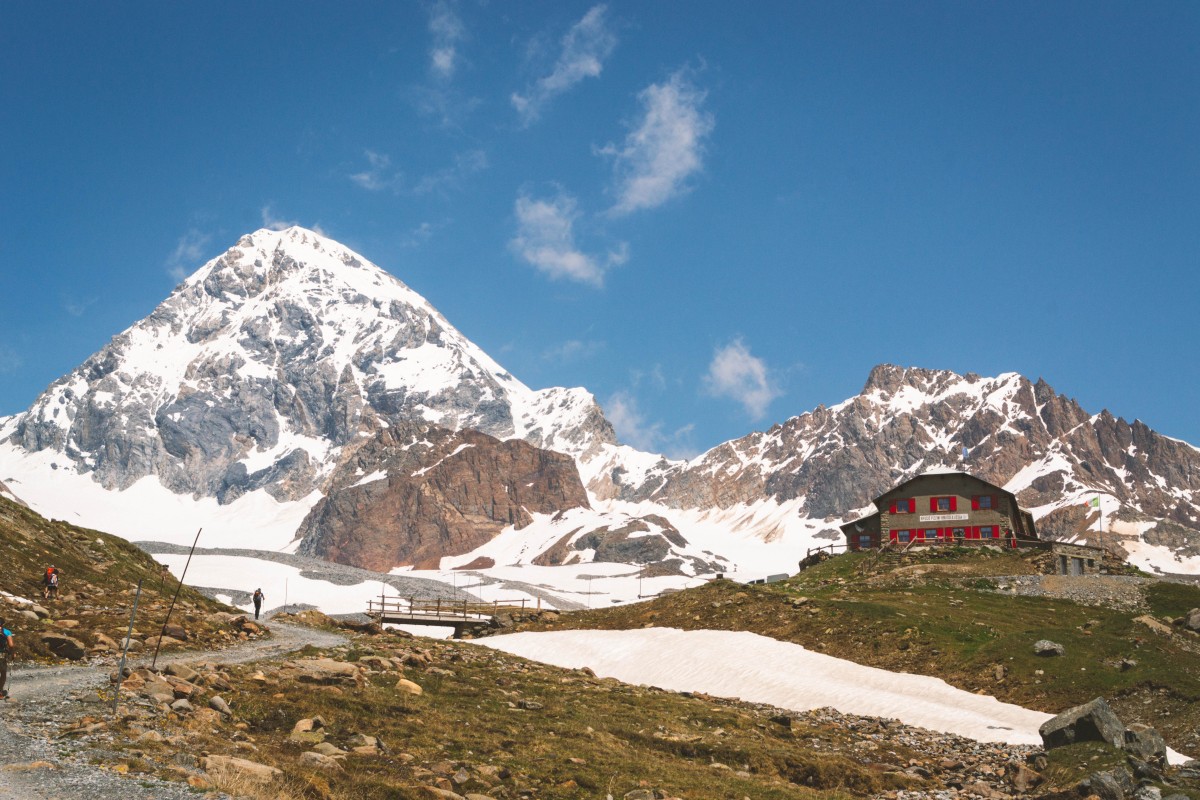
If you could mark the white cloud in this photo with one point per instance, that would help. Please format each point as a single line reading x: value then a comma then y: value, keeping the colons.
x: 273, y: 222
x: 10, y: 361
x: 465, y: 165
x: 630, y: 424
x: 189, y: 250
x: 379, y: 175
x: 736, y: 374
x: 572, y: 350
x: 584, y: 48
x: 633, y: 429
x: 447, y: 29
x: 546, y: 239
x: 666, y: 147
x: 76, y: 307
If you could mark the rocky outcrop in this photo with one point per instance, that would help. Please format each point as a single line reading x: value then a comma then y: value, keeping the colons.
x: 287, y: 337
x: 833, y: 461
x: 415, y: 494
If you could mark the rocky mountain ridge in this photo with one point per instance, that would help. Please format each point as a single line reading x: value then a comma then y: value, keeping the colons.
x: 267, y: 371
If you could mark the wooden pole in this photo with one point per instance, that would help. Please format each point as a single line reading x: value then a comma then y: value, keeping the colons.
x: 125, y: 651
x: 161, y: 633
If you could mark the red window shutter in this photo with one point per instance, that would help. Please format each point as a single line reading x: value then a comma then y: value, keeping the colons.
x: 953, y: 503
x: 892, y: 508
x: 894, y: 535
x: 975, y: 502
x: 933, y: 504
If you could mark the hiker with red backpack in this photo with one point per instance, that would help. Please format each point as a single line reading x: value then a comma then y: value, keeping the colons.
x: 6, y: 646
x: 50, y: 583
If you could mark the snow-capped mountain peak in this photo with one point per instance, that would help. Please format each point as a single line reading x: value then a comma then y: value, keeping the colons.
x: 271, y: 357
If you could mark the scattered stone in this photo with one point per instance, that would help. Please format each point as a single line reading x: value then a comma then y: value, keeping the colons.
x: 1145, y: 743
x: 1094, y: 721
x: 320, y: 763
x: 64, y: 646
x: 408, y: 687
x: 218, y: 704
x: 1045, y: 647
x: 230, y: 769
x: 182, y: 706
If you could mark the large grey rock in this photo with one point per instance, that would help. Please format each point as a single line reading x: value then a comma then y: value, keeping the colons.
x: 64, y: 646
x: 1115, y: 784
x: 1191, y: 620
x: 1094, y: 721
x: 228, y: 769
x: 1045, y: 647
x: 1145, y: 743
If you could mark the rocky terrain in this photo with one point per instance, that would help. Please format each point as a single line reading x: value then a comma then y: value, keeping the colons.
x: 282, y: 370
x: 432, y: 492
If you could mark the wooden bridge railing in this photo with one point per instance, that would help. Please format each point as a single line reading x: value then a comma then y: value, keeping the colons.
x: 438, y: 607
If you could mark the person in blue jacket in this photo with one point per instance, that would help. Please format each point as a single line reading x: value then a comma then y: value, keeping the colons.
x: 6, y: 646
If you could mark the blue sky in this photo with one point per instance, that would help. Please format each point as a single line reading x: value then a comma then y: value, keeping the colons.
x: 712, y: 216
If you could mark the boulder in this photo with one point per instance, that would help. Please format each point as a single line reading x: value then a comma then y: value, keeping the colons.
x: 39, y: 611
x: 1094, y: 721
x: 1145, y: 743
x: 183, y: 672
x: 321, y: 763
x: 408, y: 687
x: 1045, y: 647
x: 1191, y: 620
x: 175, y: 632
x: 233, y: 770
x: 1115, y: 784
x: 182, y: 706
x: 218, y: 704
x: 64, y: 646
x: 325, y: 671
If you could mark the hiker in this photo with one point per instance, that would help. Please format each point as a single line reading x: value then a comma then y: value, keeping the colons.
x: 50, y: 583
x: 258, y: 598
x: 6, y: 646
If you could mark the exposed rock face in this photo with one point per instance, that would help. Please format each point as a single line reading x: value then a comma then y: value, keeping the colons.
x: 908, y: 420
x: 267, y: 361
x: 430, y: 492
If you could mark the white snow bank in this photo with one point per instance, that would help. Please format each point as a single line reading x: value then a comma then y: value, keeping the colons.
x: 762, y: 670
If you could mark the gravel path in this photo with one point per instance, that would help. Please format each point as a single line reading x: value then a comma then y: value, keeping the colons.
x: 37, y: 764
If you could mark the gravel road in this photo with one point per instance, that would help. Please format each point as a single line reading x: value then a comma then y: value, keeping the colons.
x: 35, y: 764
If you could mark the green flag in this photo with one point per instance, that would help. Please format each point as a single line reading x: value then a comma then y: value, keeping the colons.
x: 1095, y: 503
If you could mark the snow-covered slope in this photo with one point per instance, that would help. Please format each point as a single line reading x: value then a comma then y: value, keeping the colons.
x: 267, y: 360
x: 236, y: 402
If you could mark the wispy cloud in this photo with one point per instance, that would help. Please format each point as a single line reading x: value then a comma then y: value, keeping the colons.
x: 446, y: 28
x: 740, y: 376
x: 630, y: 424
x: 633, y: 429
x: 187, y: 253
x: 451, y: 178
x: 272, y: 221
x: 77, y: 307
x: 546, y: 239
x: 10, y: 360
x: 378, y: 175
x: 572, y: 350
x: 584, y: 48
x: 664, y: 149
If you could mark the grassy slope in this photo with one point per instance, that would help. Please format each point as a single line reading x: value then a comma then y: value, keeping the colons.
x: 946, y: 623
x: 99, y: 578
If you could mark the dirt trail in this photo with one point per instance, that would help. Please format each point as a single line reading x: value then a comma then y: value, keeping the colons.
x: 34, y: 764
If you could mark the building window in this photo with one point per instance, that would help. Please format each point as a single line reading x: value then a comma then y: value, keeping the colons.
x: 906, y: 506
x: 931, y: 533
x: 959, y: 533
x: 864, y: 540
x: 988, y: 532
x: 983, y: 502
x: 903, y: 536
x: 943, y: 504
